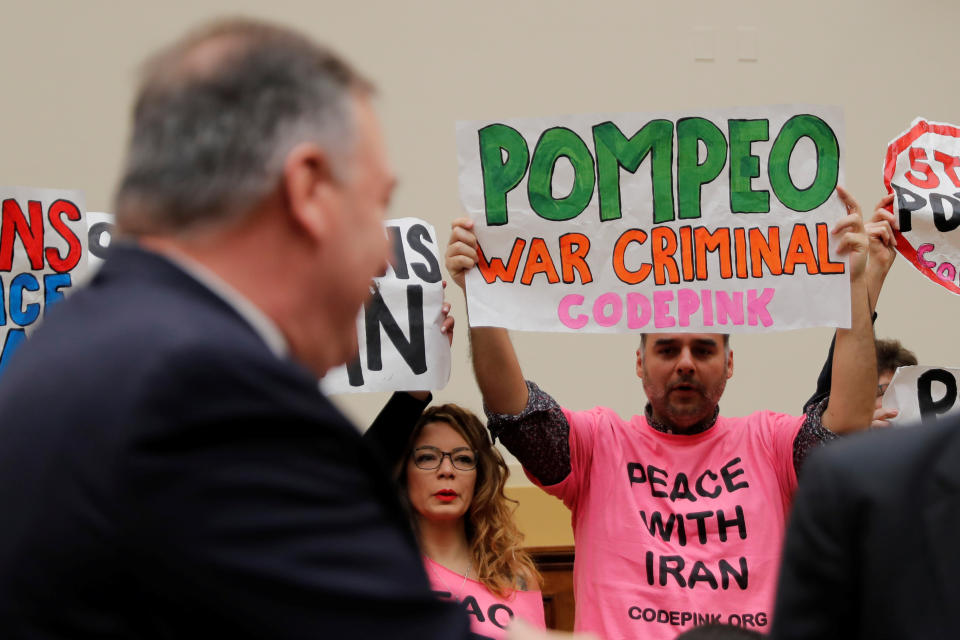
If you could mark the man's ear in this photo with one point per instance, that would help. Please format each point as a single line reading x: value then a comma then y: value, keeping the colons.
x: 309, y: 186
x: 729, y: 363
x: 640, y: 362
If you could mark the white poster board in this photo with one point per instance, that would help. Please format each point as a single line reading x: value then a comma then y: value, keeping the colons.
x: 400, y: 344
x: 714, y: 220
x: 922, y: 394
x: 922, y: 170
x: 43, y: 253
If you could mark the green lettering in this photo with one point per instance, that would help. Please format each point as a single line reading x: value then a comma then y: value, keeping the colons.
x: 554, y: 144
x: 691, y: 173
x: 744, y: 166
x: 828, y: 163
x: 614, y: 150
x: 501, y: 176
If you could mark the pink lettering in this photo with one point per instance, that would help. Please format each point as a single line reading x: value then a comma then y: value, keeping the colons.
x: 730, y: 309
x: 922, y: 250
x: 635, y: 300
x: 687, y: 304
x: 946, y: 271
x: 757, y: 307
x: 599, y: 307
x: 563, y: 312
x: 707, y: 307
x: 661, y: 309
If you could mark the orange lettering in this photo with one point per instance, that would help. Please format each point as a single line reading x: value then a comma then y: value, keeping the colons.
x: 823, y: 251
x: 625, y: 275
x: 664, y: 264
x: 740, y: 241
x: 718, y: 240
x: 575, y: 258
x: 495, y: 270
x: 686, y: 252
x: 539, y: 261
x: 800, y: 251
x: 765, y: 252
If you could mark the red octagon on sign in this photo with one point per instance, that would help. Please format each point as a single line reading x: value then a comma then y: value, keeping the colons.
x: 922, y: 176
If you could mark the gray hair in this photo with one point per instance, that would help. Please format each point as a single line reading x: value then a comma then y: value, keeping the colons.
x: 215, y: 117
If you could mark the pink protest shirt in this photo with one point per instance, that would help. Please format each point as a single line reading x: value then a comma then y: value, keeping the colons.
x: 675, y: 531
x: 489, y: 613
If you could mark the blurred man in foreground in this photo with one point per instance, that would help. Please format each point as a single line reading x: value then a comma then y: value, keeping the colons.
x: 169, y: 467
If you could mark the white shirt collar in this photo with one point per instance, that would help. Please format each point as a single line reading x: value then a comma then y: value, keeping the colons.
x: 260, y: 322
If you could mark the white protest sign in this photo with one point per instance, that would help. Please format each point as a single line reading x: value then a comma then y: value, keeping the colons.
x: 43, y: 253
x: 922, y: 394
x: 686, y: 221
x: 401, y: 347
x: 921, y: 169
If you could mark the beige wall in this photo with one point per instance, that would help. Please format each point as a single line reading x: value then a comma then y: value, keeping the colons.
x: 68, y: 72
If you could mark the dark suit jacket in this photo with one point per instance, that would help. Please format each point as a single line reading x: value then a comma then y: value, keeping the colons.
x: 873, y: 545
x: 164, y: 475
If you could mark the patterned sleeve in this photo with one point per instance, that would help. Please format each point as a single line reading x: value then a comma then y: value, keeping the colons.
x: 539, y: 436
x: 812, y: 433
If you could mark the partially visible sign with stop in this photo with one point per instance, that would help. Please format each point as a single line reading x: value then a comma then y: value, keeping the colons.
x: 922, y: 169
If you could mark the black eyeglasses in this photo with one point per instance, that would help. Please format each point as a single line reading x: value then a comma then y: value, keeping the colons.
x: 429, y: 458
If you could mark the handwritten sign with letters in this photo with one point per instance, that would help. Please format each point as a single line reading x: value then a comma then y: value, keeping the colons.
x: 43, y: 253
x: 689, y: 221
x: 400, y: 344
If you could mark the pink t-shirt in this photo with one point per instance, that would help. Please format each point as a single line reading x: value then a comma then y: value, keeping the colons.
x: 676, y: 531
x: 489, y: 613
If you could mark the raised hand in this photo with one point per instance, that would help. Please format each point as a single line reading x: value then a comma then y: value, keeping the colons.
x: 852, y: 233
x: 461, y: 255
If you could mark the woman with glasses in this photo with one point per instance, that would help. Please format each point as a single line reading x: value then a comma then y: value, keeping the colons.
x: 453, y: 479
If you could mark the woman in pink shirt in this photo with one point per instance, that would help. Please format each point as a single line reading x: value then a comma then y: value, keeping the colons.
x: 454, y: 478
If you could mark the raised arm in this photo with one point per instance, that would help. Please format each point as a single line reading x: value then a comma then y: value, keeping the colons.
x: 495, y: 362
x: 526, y: 420
x: 881, y: 254
x: 390, y: 431
x: 854, y: 377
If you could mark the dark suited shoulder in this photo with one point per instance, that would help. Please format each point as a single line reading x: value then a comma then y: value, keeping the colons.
x: 873, y: 456
x: 165, y: 475
x: 860, y: 558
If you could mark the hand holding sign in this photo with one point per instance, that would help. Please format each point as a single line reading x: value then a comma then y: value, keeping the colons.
x: 461, y: 255
x: 446, y: 327
x: 881, y: 228
x: 852, y: 235
x: 883, y: 248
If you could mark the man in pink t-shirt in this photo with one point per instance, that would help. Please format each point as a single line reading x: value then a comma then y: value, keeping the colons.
x: 678, y: 514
